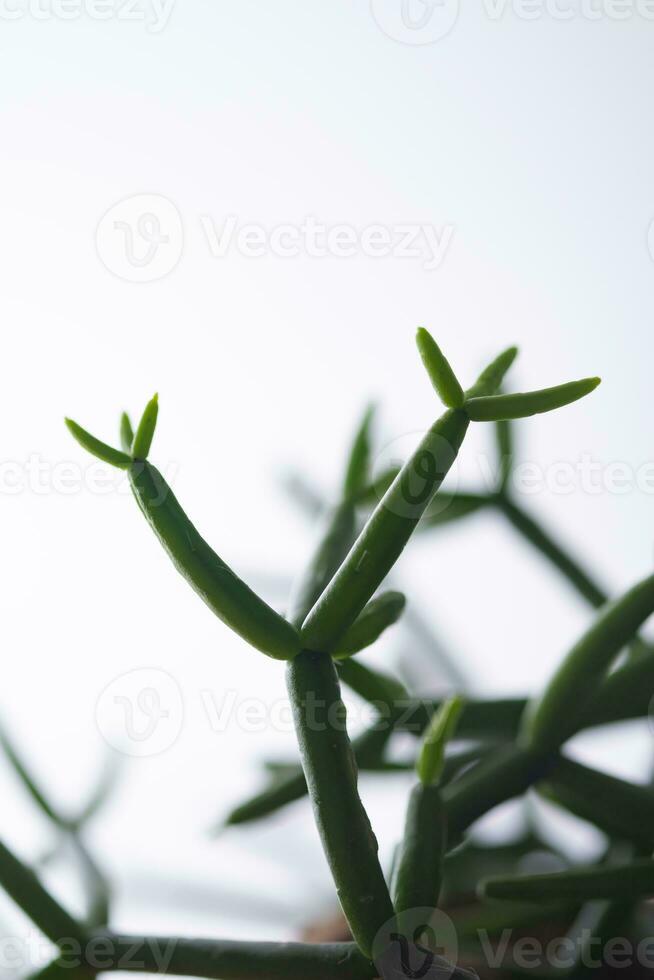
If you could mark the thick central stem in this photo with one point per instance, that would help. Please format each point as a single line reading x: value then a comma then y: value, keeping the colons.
x: 331, y: 774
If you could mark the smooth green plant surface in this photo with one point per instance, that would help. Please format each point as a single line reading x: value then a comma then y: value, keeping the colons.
x: 335, y: 614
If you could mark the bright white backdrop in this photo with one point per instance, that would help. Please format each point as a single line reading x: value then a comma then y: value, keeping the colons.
x: 524, y: 143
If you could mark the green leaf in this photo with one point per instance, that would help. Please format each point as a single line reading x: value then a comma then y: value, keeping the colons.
x: 126, y: 433
x: 432, y: 754
x: 581, y: 885
x: 492, y: 376
x: 378, y: 615
x: 358, y: 465
x: 494, y: 408
x: 438, y: 368
x: 97, y: 448
x: 145, y: 431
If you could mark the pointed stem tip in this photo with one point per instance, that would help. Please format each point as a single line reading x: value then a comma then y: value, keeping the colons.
x: 431, y: 759
x: 126, y: 433
x: 98, y: 448
x: 497, y: 408
x: 145, y: 432
x: 438, y: 368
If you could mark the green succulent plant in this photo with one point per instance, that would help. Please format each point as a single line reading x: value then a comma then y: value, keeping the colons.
x: 335, y: 613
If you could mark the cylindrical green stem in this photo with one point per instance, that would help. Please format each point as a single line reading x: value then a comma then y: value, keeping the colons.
x: 373, y: 686
x: 622, y: 810
x: 610, y: 921
x: 625, y: 693
x: 16, y: 761
x: 22, y: 885
x: 505, y: 774
x: 386, y: 533
x: 551, y: 720
x: 96, y: 886
x: 214, y: 581
x: 368, y: 748
x: 479, y: 719
x: 331, y: 773
x: 582, y: 885
x: 219, y: 960
x: 336, y: 538
x: 378, y: 615
x: 533, y: 532
x: 419, y: 874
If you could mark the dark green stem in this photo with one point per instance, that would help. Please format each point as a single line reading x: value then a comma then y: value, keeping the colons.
x: 218, y: 960
x: 371, y: 685
x: 338, y: 533
x: 623, y: 810
x: 533, y: 532
x: 636, y: 878
x: 331, y: 774
x: 419, y: 875
x: 506, y: 773
x: 386, y: 533
x: 22, y: 885
x: 368, y: 751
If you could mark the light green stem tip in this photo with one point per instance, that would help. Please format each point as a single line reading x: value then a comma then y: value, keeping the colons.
x: 431, y: 758
x: 358, y: 464
x: 145, y: 431
x: 98, y: 448
x: 438, y: 368
x: 497, y: 408
x: 492, y: 376
x: 126, y: 433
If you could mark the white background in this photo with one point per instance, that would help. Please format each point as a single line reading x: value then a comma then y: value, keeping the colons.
x: 532, y: 139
